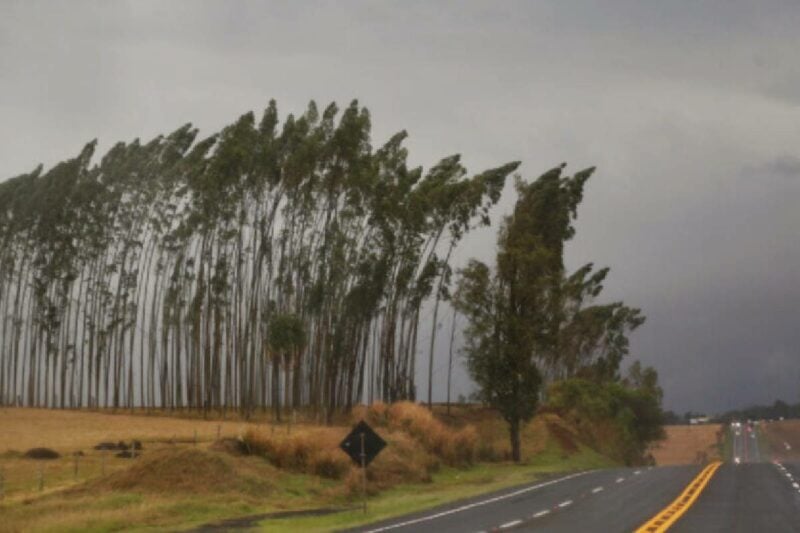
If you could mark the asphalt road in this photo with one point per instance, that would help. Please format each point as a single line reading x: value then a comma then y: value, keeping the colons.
x: 759, y: 494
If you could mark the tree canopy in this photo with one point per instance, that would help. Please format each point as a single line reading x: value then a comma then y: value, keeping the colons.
x: 152, y: 277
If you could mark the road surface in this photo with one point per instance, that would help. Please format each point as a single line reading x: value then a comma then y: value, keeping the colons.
x: 758, y: 493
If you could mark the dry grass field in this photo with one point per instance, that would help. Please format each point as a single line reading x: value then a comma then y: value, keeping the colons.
x: 783, y: 439
x: 69, y: 431
x: 688, y: 445
x: 186, y: 476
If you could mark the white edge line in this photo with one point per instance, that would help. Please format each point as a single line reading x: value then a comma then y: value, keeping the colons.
x: 511, y: 524
x: 565, y: 503
x: 541, y: 513
x: 476, y: 504
x: 620, y: 479
x: 596, y: 490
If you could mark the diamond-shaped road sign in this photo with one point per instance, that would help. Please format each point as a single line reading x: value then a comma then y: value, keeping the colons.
x: 362, y: 444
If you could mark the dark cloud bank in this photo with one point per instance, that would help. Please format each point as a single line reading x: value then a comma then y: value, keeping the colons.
x: 687, y: 109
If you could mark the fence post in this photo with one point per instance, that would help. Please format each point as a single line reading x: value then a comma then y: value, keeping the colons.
x: 41, y: 478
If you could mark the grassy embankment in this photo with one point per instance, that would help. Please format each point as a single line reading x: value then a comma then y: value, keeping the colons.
x: 258, y: 469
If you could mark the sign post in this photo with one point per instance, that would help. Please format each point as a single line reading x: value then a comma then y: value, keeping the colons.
x: 362, y: 444
x: 363, y: 474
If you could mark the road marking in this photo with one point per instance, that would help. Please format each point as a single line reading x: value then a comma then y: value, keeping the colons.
x: 637, y: 472
x: 795, y: 485
x: 596, y: 490
x: 672, y: 512
x: 476, y: 504
x: 511, y: 524
x: 541, y: 513
x: 620, y: 479
x: 566, y: 503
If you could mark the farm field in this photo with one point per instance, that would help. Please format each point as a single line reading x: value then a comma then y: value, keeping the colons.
x: 687, y: 444
x: 177, y: 482
x: 783, y: 439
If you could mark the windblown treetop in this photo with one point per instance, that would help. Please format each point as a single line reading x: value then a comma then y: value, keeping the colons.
x: 152, y: 278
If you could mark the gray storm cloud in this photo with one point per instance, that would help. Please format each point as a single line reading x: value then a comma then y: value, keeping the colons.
x: 690, y: 111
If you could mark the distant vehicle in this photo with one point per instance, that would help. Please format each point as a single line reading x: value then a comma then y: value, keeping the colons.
x: 698, y: 420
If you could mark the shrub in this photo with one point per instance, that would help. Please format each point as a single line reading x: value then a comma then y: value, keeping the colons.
x: 488, y: 453
x: 616, y: 419
x: 41, y: 453
x: 454, y: 447
x: 329, y: 464
x: 311, y: 453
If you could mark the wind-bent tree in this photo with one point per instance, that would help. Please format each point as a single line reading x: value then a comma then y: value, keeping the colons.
x: 527, y: 321
x: 155, y: 277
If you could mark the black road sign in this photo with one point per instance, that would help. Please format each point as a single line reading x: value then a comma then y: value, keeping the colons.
x: 362, y: 440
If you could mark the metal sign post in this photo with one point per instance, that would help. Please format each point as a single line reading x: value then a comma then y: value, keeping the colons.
x: 363, y: 474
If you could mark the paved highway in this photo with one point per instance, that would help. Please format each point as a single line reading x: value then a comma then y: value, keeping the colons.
x: 757, y: 494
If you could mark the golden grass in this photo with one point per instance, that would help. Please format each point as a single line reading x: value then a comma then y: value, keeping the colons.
x: 454, y: 446
x: 313, y: 451
x: 182, y: 483
x: 67, y: 431
x: 688, y: 445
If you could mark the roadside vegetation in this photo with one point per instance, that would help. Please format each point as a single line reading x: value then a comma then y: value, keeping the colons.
x: 260, y: 468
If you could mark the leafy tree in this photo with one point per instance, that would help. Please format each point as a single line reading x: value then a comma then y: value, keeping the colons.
x: 622, y: 419
x: 513, y: 312
x: 287, y: 337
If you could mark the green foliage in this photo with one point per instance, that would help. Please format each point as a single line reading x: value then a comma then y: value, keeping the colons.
x: 286, y: 333
x: 512, y: 311
x: 530, y: 322
x: 620, y: 418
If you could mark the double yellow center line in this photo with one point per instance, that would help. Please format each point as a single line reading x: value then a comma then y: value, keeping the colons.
x: 667, y: 516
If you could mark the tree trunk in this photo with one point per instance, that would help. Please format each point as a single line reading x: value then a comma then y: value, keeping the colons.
x: 514, y: 433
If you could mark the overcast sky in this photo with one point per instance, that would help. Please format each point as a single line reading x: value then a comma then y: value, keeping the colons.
x: 690, y: 110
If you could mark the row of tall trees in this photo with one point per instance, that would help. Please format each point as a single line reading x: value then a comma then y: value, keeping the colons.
x: 269, y: 263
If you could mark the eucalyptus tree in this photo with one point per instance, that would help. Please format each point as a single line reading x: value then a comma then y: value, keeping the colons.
x: 287, y: 337
x: 152, y: 277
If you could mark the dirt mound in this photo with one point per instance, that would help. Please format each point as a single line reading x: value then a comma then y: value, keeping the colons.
x: 41, y: 453
x: 188, y: 470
